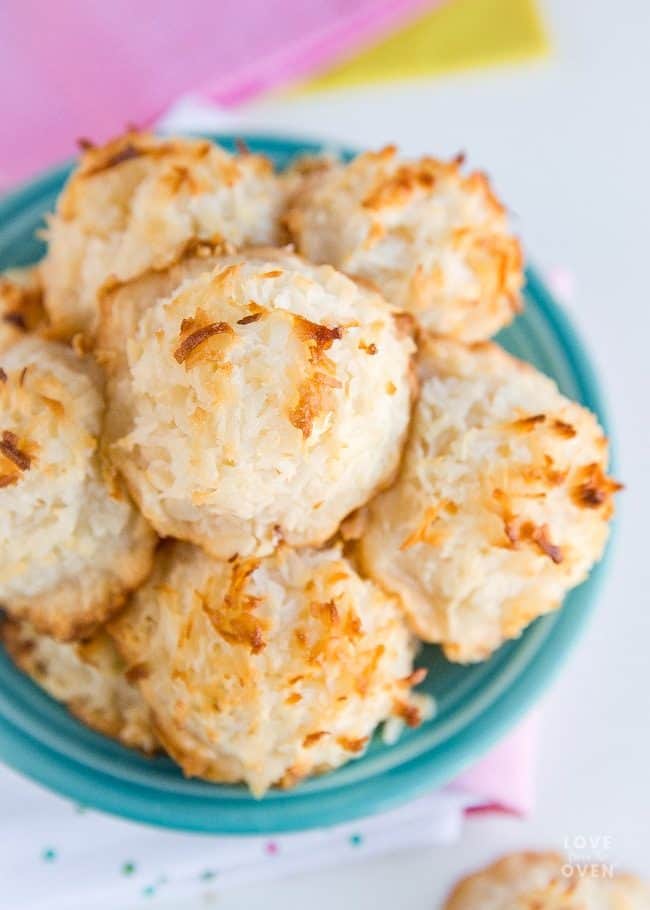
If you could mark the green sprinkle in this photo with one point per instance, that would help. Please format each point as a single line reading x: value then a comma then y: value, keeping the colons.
x: 128, y: 868
x: 356, y: 840
x: 207, y: 875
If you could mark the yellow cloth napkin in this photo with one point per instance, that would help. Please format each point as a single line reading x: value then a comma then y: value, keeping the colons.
x: 461, y: 34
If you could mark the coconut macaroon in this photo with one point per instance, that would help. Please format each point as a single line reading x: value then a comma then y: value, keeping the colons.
x: 266, y: 670
x: 71, y: 542
x: 260, y: 401
x: 547, y: 881
x: 501, y: 506
x: 137, y: 202
x: 21, y: 304
x: 434, y: 241
x: 89, y: 677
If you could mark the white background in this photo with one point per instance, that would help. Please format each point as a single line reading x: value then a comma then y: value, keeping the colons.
x: 567, y: 142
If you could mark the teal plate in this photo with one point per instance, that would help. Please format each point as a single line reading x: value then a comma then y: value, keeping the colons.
x: 476, y: 704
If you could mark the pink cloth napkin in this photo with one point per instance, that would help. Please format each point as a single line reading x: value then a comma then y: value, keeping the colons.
x: 75, y: 68
x: 504, y: 780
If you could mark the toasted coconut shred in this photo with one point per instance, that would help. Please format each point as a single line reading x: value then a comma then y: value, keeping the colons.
x: 197, y: 337
x: 21, y: 305
x: 502, y: 504
x: 10, y: 450
x: 267, y: 670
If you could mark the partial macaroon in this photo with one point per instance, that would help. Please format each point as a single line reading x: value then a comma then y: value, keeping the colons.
x: 88, y: 677
x: 502, y: 504
x: 547, y: 881
x: 71, y: 543
x: 253, y: 399
x: 267, y: 670
x: 434, y: 241
x: 137, y: 203
x: 21, y: 304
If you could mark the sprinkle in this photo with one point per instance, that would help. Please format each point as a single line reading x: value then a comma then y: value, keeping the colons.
x: 356, y: 840
x: 48, y: 855
x: 150, y: 890
x: 272, y: 848
x: 208, y: 875
x: 128, y: 868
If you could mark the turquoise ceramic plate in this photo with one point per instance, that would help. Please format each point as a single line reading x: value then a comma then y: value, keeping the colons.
x: 476, y: 705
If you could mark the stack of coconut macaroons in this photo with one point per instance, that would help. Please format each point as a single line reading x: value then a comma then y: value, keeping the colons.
x: 287, y: 377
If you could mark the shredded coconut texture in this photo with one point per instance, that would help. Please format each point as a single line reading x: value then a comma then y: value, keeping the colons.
x: 88, y: 677
x: 71, y: 542
x: 266, y: 670
x: 434, y: 241
x: 254, y: 399
x: 502, y: 504
x: 137, y: 202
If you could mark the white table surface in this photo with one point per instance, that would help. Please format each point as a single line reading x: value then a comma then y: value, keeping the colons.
x: 567, y: 142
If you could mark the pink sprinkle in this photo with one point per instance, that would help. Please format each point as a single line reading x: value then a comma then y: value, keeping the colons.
x: 272, y: 848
